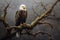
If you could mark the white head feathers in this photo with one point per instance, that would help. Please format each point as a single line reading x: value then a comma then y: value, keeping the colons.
x: 22, y: 7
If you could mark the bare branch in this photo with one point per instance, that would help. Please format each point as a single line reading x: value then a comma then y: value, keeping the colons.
x: 43, y: 5
x: 5, y: 23
x: 43, y: 14
x: 45, y: 23
x: 2, y: 18
x: 35, y: 11
x: 4, y: 12
x: 40, y: 32
x: 38, y: 6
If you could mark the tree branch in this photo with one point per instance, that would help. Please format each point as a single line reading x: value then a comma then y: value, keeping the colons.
x: 2, y: 18
x: 4, y: 12
x: 45, y: 23
x: 43, y: 14
x: 34, y: 11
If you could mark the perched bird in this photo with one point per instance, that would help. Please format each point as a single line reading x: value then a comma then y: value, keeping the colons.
x: 21, y: 15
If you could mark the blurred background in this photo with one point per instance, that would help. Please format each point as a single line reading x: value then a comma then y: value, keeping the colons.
x: 34, y: 8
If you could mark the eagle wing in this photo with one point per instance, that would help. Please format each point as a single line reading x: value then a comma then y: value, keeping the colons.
x: 16, y: 16
x: 20, y: 17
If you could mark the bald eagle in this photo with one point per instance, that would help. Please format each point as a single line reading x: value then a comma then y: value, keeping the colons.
x: 21, y: 15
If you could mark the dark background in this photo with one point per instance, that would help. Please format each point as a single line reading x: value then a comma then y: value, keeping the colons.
x: 53, y: 18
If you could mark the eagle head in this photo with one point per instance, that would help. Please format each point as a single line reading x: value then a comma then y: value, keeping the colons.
x: 22, y: 7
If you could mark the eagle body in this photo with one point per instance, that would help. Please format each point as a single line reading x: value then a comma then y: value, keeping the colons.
x: 21, y: 15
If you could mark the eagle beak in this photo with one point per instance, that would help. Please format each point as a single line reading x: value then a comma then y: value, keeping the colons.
x: 23, y: 7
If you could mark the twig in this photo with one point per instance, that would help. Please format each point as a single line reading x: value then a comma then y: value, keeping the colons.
x: 5, y: 12
x: 46, y: 23
x: 35, y: 11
